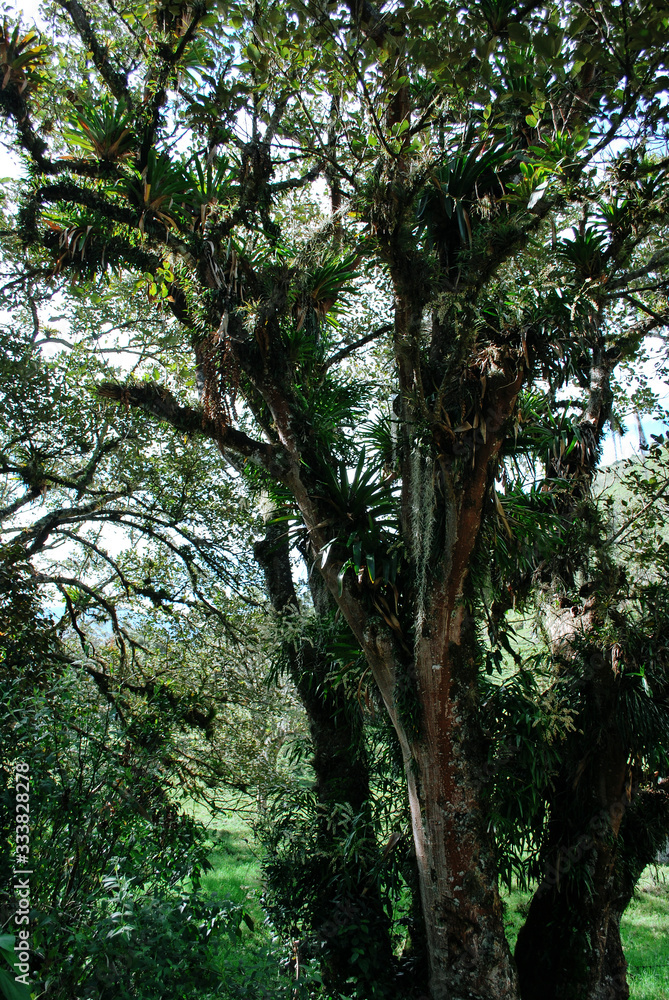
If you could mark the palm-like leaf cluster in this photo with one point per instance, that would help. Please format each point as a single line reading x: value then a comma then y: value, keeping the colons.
x: 455, y: 186
x: 20, y: 58
x: 103, y: 129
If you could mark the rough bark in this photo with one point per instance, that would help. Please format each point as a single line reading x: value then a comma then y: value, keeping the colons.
x: 431, y: 694
x: 463, y: 913
x: 570, y: 946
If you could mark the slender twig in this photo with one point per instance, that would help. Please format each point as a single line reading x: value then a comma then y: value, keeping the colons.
x: 639, y: 514
x: 350, y: 348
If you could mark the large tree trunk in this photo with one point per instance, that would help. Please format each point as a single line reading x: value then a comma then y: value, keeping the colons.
x: 431, y: 692
x: 424, y: 659
x: 469, y: 955
x: 434, y: 699
x: 570, y: 946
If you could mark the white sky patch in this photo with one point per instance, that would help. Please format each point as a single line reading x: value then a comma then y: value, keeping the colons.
x: 617, y: 446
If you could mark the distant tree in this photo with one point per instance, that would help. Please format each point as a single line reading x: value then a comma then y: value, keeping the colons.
x: 162, y: 606
x: 116, y: 863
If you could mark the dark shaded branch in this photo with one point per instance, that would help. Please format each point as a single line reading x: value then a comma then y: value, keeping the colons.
x: 658, y: 260
x: 160, y: 403
x: 68, y: 192
x: 350, y: 348
x: 169, y: 58
x: 12, y: 508
x: 193, y: 716
x: 298, y: 182
x: 87, y: 474
x: 116, y: 80
x: 662, y: 320
x: 39, y: 532
x: 635, y: 334
x: 62, y: 582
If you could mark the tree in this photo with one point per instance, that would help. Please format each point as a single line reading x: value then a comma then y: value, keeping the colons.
x: 164, y: 612
x: 99, y: 507
x: 498, y: 199
x: 117, y: 863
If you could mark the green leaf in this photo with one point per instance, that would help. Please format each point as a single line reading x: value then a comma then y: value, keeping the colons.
x: 518, y: 33
x: 10, y: 989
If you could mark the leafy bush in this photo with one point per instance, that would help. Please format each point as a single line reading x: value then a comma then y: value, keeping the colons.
x: 116, y: 903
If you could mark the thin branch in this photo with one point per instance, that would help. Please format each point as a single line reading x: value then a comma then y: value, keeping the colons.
x: 661, y: 320
x: 35, y: 316
x: 87, y: 543
x: 298, y: 182
x: 97, y: 598
x: 116, y: 80
x: 635, y: 517
x: 659, y: 259
x: 345, y: 351
x: 13, y: 507
x: 40, y: 531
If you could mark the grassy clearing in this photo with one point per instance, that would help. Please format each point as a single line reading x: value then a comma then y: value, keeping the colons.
x: 234, y: 855
x: 645, y: 933
x: 254, y: 965
x: 516, y: 904
x: 236, y: 875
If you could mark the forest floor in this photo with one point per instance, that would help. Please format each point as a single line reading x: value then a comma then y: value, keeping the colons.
x: 235, y: 859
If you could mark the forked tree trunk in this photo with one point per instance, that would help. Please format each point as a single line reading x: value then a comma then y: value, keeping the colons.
x: 570, y: 946
x: 432, y: 696
x: 433, y: 703
x: 426, y: 667
x: 564, y: 946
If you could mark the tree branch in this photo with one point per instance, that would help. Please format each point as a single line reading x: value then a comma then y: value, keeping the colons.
x: 654, y: 498
x: 160, y: 403
x: 345, y: 351
x: 39, y: 532
x: 298, y: 182
x: 116, y: 80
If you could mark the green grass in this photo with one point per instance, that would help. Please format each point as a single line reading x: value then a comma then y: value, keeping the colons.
x: 645, y: 933
x: 252, y: 967
x: 515, y: 911
x: 234, y: 855
x: 235, y: 873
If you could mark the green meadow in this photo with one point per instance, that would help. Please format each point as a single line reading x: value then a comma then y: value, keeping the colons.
x: 236, y: 874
